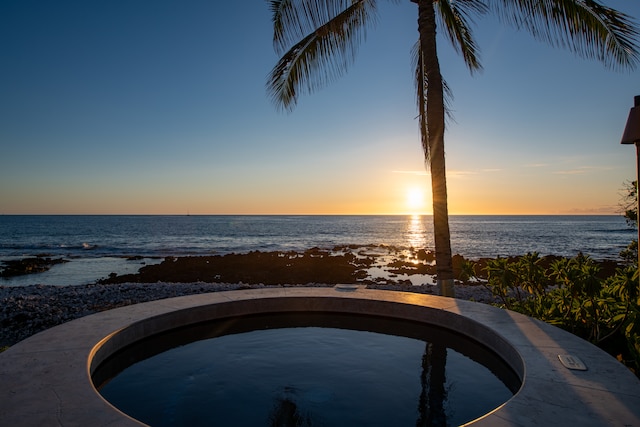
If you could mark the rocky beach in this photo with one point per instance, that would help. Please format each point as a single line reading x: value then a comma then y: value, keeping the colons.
x: 26, y: 310
x: 30, y: 309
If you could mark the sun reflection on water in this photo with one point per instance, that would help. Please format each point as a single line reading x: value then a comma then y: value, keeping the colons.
x: 416, y: 232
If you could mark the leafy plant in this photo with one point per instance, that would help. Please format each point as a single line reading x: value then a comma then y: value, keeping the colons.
x: 571, y: 294
x: 516, y: 280
x: 629, y: 208
x: 466, y: 272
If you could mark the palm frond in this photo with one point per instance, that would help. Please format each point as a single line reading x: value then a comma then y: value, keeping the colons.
x: 455, y: 18
x: 422, y: 84
x: 329, y: 34
x: 293, y: 20
x: 421, y: 100
x: 585, y: 27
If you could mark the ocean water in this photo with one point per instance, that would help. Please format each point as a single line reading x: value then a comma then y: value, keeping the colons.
x: 97, y: 245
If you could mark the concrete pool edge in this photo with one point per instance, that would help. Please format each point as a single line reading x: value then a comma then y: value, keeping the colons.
x: 46, y: 378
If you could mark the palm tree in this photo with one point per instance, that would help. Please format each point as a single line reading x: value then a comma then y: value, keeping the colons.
x: 318, y: 40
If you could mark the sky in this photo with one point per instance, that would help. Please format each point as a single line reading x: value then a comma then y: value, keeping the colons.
x: 160, y: 107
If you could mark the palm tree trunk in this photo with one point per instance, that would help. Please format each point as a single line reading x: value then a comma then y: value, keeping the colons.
x: 431, y: 409
x: 435, y: 149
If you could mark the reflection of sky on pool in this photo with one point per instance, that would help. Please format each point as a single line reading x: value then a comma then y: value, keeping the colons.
x: 311, y: 375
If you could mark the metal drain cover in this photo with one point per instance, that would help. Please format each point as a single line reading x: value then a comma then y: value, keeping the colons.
x: 572, y: 362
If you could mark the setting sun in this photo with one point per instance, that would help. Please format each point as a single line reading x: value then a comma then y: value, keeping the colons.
x: 415, y: 198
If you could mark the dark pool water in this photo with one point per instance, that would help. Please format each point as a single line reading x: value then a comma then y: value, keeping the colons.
x: 307, y: 375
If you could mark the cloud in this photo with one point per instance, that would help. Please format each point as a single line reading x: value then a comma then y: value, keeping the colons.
x: 581, y: 170
x: 450, y: 173
x: 570, y: 172
x: 460, y: 173
x: 419, y: 173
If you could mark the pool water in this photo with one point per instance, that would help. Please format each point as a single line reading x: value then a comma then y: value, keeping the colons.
x: 309, y: 373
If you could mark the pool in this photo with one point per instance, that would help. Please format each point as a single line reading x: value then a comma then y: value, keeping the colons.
x: 306, y: 369
x: 47, y: 378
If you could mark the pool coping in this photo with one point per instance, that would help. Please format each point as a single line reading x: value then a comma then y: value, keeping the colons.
x: 46, y: 379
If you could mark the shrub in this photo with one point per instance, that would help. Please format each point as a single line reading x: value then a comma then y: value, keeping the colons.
x: 571, y: 294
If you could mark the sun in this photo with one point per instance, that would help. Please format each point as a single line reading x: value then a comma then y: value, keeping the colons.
x: 415, y: 199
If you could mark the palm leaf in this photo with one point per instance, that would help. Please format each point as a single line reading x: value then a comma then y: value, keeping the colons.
x: 422, y: 83
x: 421, y: 99
x: 585, y: 27
x: 455, y: 18
x: 330, y: 39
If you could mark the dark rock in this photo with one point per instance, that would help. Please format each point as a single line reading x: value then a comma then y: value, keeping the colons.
x: 269, y: 268
x: 28, y: 266
x: 424, y: 255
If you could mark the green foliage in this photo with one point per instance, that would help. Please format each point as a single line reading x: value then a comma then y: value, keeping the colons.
x: 466, y: 271
x: 629, y: 207
x: 629, y: 203
x: 571, y: 294
x: 514, y: 281
x: 630, y: 253
x: 4, y: 348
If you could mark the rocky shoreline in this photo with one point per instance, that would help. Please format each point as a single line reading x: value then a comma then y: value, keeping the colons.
x: 27, y: 310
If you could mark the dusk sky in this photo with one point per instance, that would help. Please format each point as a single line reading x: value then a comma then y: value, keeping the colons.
x: 160, y: 107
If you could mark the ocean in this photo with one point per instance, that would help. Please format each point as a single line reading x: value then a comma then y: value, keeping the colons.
x: 98, y: 245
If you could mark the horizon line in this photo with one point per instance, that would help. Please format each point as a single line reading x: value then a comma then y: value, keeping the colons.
x: 313, y: 214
